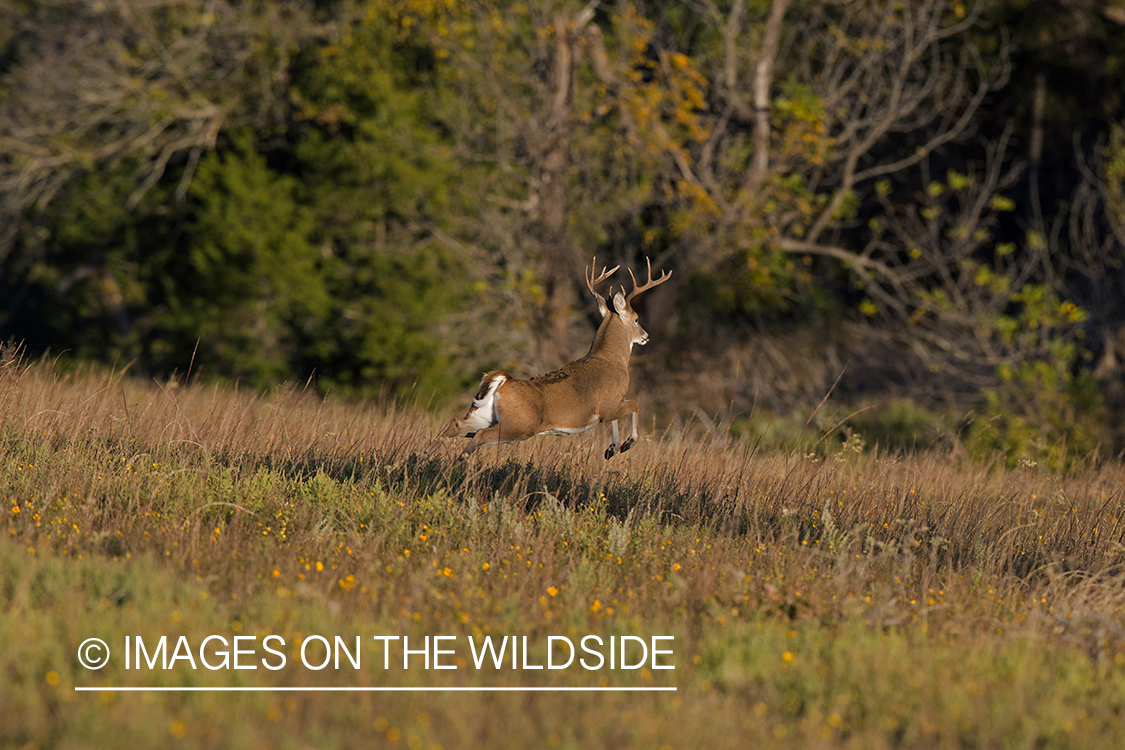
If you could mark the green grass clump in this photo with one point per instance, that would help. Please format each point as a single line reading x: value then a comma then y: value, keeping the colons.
x: 849, y: 600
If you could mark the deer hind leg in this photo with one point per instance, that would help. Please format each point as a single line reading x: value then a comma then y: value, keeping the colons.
x: 493, y: 435
x: 626, y: 408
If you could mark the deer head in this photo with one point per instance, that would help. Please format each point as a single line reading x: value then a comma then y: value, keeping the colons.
x: 622, y: 304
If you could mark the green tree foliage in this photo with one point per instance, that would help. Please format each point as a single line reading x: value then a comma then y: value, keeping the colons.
x: 396, y: 194
x: 295, y: 245
x: 250, y: 278
x: 1044, y: 406
x: 380, y: 179
x: 371, y: 156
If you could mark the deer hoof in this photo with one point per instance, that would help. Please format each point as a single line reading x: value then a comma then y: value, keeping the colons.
x: 627, y: 445
x: 610, y: 451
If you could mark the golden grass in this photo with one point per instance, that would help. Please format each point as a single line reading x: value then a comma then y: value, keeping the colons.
x: 836, y: 600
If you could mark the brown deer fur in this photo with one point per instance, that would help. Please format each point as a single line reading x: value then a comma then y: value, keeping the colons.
x: 569, y: 400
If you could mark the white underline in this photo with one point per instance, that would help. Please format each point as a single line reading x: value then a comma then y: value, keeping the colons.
x: 379, y: 689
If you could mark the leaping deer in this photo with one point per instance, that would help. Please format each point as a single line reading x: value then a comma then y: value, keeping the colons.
x: 570, y: 400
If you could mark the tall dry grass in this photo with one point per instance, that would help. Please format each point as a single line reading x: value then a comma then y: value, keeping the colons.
x: 795, y: 584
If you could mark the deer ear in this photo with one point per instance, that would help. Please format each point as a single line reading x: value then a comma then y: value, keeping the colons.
x: 619, y: 303
x: 602, y: 309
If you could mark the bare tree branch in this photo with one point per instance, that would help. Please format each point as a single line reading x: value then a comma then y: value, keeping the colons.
x: 763, y: 79
x: 96, y: 89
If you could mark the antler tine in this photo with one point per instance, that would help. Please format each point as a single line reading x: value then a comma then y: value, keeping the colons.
x: 591, y: 281
x: 638, y: 288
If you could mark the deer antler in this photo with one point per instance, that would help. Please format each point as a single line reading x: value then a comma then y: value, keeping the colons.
x: 638, y: 288
x: 591, y: 281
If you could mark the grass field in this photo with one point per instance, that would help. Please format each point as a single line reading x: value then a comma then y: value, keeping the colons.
x: 843, y: 599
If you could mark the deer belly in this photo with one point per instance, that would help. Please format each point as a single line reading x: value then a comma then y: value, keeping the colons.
x: 565, y: 431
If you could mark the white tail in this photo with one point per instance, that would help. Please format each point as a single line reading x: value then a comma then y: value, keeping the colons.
x: 570, y: 400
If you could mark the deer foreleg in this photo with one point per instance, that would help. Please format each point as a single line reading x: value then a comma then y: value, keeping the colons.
x: 612, y: 449
x: 626, y: 408
x: 632, y: 434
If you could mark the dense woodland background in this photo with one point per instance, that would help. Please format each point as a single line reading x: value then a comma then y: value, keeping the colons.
x: 924, y: 201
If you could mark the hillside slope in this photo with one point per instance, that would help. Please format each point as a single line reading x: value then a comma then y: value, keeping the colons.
x: 835, y: 600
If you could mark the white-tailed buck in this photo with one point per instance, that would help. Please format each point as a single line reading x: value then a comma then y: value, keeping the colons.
x: 567, y: 401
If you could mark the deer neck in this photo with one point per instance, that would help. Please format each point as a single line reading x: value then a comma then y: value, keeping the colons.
x: 612, y: 342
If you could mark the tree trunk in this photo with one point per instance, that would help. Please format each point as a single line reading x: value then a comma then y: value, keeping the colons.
x: 763, y: 79
x: 552, y: 326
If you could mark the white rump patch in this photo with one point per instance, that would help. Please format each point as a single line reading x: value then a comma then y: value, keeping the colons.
x: 483, y: 413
